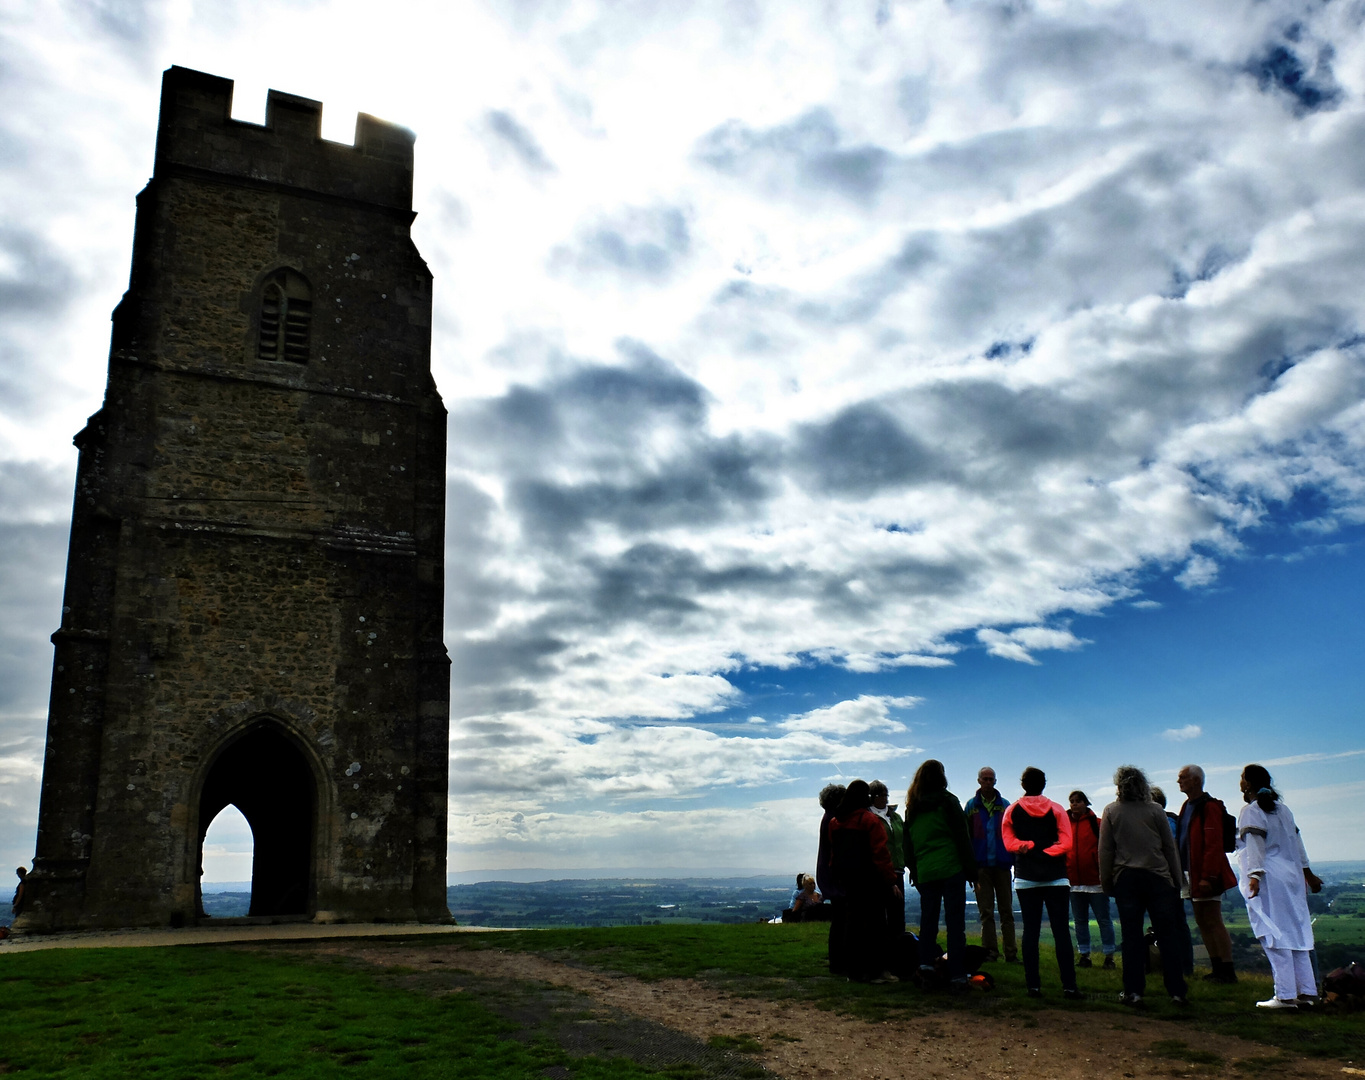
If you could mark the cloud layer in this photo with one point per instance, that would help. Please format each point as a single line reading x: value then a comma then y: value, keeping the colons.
x: 775, y: 337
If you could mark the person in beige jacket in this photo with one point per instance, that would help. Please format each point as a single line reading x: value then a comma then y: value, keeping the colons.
x: 1140, y: 869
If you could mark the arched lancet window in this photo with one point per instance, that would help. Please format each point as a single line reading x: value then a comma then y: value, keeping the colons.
x: 286, y: 317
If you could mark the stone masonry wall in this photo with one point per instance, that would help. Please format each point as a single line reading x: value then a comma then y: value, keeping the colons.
x: 256, y: 538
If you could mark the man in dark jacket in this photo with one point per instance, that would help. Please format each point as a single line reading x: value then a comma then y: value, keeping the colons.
x: 984, y: 811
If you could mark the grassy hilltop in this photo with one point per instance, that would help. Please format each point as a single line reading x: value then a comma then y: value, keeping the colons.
x: 290, y: 1010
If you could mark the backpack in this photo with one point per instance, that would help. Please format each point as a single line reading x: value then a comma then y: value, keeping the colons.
x: 1348, y: 981
x: 1229, y: 831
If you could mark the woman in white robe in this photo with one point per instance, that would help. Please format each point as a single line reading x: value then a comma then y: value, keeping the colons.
x: 1275, y: 880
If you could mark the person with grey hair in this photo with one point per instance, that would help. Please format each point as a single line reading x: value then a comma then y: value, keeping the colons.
x: 1199, y: 836
x: 985, y: 812
x: 895, y: 839
x: 1140, y: 869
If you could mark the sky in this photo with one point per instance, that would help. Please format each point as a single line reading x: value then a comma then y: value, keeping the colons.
x: 831, y: 386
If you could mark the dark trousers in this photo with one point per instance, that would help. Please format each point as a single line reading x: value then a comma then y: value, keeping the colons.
x: 1138, y: 894
x: 1031, y: 904
x: 838, y: 937
x: 895, y: 914
x: 867, y: 943
x: 952, y: 894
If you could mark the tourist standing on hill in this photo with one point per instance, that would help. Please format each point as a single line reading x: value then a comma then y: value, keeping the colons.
x: 1083, y: 869
x: 17, y: 906
x: 831, y: 795
x: 1199, y: 836
x: 860, y: 863
x: 895, y: 842
x: 938, y: 854
x: 1038, y: 835
x: 985, y: 811
x: 1275, y: 881
x: 1186, y: 938
x: 1140, y: 869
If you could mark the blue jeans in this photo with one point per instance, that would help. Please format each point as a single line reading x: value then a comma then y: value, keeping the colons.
x: 1082, y: 904
x: 1138, y: 893
x: 952, y: 892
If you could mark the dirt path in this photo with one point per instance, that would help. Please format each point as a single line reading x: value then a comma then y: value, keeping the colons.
x: 797, y: 1040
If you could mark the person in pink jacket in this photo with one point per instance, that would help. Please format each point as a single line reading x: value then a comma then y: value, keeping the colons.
x: 1037, y: 832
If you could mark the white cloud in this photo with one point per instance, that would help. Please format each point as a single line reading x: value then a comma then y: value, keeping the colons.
x: 1021, y: 644
x: 857, y: 341
x: 1183, y: 734
x: 1199, y: 572
x: 866, y: 713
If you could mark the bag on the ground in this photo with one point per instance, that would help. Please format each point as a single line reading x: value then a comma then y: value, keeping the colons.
x: 1348, y: 981
x: 1153, y: 951
x: 905, y: 956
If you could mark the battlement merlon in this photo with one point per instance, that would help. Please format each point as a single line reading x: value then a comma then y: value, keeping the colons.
x: 197, y: 131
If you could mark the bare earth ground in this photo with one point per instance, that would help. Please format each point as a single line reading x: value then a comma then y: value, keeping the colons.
x: 799, y: 1040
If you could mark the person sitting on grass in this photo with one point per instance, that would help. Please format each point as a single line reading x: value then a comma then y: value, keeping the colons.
x: 805, y: 900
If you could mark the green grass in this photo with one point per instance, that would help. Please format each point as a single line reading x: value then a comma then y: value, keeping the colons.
x: 784, y: 962
x: 213, y: 1011
x: 216, y: 1012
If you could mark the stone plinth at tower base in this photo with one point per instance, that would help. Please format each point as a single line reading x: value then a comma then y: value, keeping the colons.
x: 254, y: 589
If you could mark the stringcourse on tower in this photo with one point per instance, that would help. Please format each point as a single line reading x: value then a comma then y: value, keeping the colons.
x: 254, y: 589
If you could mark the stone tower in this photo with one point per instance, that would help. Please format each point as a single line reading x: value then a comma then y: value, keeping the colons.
x: 254, y: 589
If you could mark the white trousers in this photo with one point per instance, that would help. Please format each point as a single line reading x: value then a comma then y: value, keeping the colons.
x: 1293, y: 971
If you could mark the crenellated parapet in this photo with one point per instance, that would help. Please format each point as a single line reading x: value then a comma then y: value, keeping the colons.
x: 197, y: 132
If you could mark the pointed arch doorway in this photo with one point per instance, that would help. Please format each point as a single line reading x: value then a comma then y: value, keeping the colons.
x: 267, y: 776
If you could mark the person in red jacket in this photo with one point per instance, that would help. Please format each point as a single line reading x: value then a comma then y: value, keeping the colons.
x: 862, y: 872
x: 1087, y: 894
x: 1199, y: 835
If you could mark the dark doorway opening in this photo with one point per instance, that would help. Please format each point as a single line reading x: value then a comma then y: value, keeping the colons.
x: 266, y: 776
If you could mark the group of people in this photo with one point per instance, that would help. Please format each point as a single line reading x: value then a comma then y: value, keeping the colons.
x: 1066, y: 862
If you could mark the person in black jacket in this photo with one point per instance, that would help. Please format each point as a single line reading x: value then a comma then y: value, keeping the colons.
x: 1037, y: 832
x: 831, y: 795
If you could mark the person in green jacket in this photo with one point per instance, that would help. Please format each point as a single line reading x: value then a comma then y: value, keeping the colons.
x: 938, y: 854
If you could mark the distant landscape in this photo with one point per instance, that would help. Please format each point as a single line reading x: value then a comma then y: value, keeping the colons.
x: 1339, y: 909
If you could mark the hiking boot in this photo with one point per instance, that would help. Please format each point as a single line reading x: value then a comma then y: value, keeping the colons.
x: 1130, y: 999
x: 1180, y: 1000
x: 1034, y: 992
x: 1109, y: 964
x: 884, y: 977
x: 1307, y: 999
x: 1073, y: 995
x: 1084, y: 961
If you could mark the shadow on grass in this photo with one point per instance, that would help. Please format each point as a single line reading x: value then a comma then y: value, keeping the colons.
x: 227, y: 1012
